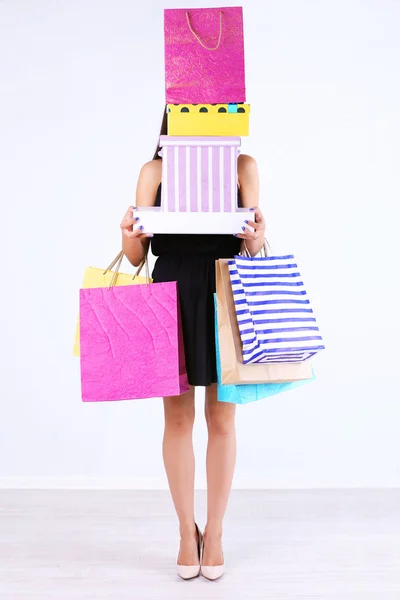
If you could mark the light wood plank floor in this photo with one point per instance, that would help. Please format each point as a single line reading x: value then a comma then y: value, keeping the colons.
x: 80, y: 544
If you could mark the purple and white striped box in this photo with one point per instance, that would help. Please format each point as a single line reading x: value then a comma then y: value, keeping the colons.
x: 199, y: 174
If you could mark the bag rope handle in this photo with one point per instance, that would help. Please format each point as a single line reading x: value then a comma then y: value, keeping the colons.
x: 117, y: 263
x: 245, y: 251
x: 197, y: 37
x: 113, y: 263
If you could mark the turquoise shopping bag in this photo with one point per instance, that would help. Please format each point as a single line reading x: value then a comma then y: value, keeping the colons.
x: 244, y: 394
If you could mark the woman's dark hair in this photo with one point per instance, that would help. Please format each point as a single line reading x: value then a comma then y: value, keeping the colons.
x: 163, y: 131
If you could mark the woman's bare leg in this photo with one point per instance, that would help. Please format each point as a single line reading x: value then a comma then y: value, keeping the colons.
x: 179, y: 464
x: 221, y: 460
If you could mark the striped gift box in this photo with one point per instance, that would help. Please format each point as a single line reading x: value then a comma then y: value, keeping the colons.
x: 275, y: 318
x: 199, y: 174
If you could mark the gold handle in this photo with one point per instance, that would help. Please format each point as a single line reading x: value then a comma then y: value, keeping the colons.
x: 114, y: 262
x: 140, y: 267
x: 117, y: 263
x: 144, y: 263
x: 197, y: 37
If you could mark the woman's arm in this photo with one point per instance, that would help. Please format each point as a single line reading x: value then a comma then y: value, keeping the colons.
x: 249, y: 192
x: 135, y: 243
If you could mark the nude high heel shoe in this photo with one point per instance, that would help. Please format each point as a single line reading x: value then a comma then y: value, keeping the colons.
x: 190, y: 571
x: 212, y: 572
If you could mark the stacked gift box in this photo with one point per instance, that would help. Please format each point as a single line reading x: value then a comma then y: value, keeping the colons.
x: 206, y: 116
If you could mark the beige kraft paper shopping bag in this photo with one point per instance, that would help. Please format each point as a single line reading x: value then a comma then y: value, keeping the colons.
x: 233, y: 371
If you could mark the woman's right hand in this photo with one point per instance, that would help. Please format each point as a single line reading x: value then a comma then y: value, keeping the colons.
x: 128, y: 223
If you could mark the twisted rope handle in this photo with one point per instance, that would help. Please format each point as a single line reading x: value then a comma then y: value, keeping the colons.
x: 197, y: 37
x: 117, y: 263
x: 114, y: 262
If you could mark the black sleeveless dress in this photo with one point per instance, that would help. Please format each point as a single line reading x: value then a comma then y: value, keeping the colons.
x: 190, y: 260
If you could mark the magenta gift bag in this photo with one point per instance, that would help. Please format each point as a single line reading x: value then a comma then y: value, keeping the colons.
x: 131, y: 343
x: 204, y: 56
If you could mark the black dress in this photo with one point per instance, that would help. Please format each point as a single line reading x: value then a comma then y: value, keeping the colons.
x: 190, y: 260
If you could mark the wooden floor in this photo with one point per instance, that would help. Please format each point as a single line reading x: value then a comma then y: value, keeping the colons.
x: 73, y: 544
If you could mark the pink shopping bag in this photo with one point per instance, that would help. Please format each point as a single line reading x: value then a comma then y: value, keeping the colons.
x: 204, y: 55
x: 131, y: 343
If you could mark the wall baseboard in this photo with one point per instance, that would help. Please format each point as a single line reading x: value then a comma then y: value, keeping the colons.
x: 155, y: 483
x: 84, y: 483
x: 103, y: 483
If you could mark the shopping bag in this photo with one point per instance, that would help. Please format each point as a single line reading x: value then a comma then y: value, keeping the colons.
x: 246, y: 393
x: 233, y: 371
x: 204, y: 55
x: 208, y: 119
x: 276, y: 321
x: 96, y: 278
x: 131, y: 342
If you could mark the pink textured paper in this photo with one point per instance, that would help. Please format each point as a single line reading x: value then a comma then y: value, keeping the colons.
x: 194, y: 74
x: 131, y: 343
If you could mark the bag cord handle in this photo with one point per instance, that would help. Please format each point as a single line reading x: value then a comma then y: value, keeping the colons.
x: 197, y: 37
x: 245, y: 251
x: 117, y: 263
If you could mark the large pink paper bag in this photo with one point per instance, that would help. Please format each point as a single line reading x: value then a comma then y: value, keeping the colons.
x: 204, y: 56
x: 131, y: 343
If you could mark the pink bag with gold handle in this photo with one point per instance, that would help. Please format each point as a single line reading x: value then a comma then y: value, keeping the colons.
x: 204, y: 56
x: 131, y: 342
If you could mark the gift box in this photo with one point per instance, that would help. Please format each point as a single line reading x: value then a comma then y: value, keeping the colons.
x: 199, y: 174
x: 208, y: 119
x: 199, y: 192
x: 156, y: 220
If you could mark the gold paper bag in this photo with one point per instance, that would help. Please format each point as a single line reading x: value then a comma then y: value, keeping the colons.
x: 233, y: 371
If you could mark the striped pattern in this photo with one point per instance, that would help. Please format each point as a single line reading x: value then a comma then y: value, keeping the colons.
x: 199, y: 174
x: 275, y: 318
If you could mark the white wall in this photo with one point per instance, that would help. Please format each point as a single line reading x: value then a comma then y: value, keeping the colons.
x: 80, y: 105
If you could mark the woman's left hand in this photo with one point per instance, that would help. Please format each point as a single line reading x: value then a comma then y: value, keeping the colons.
x: 258, y: 225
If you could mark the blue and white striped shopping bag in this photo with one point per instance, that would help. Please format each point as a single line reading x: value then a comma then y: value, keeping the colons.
x: 276, y: 321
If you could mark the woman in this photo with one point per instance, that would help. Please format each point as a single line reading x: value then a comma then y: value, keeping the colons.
x: 190, y: 260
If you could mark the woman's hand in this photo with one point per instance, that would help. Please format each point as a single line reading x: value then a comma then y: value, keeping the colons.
x: 254, y: 239
x: 258, y: 225
x: 134, y: 242
x: 127, y: 226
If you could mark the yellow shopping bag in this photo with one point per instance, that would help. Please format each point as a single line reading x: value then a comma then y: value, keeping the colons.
x: 97, y: 278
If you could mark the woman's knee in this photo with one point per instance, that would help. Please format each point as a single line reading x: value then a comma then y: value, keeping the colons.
x: 220, y: 416
x: 179, y: 414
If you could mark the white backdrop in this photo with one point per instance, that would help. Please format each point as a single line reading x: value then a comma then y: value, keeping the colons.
x: 80, y: 106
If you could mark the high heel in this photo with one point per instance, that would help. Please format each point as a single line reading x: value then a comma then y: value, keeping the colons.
x: 191, y: 571
x: 212, y: 572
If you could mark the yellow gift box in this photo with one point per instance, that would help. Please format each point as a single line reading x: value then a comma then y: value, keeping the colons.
x: 208, y: 119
